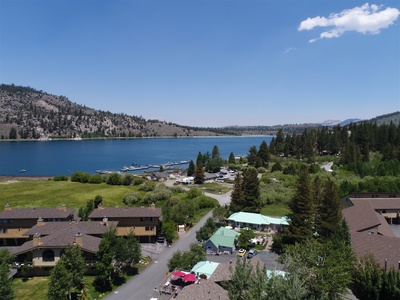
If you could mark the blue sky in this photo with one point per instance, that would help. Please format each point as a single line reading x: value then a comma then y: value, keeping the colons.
x: 209, y: 63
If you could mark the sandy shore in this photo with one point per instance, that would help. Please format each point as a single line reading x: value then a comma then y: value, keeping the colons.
x: 20, y: 178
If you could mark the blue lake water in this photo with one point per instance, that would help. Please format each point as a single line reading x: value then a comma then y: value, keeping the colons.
x: 50, y: 158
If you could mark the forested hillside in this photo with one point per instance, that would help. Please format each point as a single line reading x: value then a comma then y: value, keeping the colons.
x: 26, y: 113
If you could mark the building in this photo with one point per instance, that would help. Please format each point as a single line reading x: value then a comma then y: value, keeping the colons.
x: 369, y: 220
x: 222, y: 241
x: 144, y: 222
x: 256, y: 221
x: 47, y: 241
x: 15, y: 222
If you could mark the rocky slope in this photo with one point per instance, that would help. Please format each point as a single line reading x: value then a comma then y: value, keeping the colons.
x: 26, y: 113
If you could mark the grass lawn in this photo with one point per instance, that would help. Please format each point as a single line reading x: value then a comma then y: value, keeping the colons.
x: 36, y: 288
x: 49, y: 193
x: 275, y: 210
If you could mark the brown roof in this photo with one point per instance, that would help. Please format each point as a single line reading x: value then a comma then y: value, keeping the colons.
x: 380, y: 203
x: 379, y: 246
x: 205, y: 290
x: 36, y: 213
x: 61, y: 240
x: 127, y: 212
x: 361, y: 216
x: 85, y: 227
x: 224, y: 271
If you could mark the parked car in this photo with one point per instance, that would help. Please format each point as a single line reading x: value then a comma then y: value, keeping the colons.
x: 241, y: 252
x: 251, y: 253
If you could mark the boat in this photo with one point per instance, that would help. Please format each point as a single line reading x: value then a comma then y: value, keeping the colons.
x: 22, y: 171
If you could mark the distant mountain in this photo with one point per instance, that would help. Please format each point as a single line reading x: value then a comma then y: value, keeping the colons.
x: 26, y: 113
x: 387, y: 119
x: 348, y: 121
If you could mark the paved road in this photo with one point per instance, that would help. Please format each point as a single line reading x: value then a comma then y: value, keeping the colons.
x: 142, y: 286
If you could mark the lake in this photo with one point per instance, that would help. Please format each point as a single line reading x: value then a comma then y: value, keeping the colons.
x: 51, y: 158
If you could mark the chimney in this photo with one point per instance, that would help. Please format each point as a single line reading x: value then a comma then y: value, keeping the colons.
x: 7, y: 207
x: 79, y: 239
x: 36, y: 239
x: 105, y: 221
x: 100, y: 207
x: 63, y: 208
x: 39, y: 222
x: 153, y: 206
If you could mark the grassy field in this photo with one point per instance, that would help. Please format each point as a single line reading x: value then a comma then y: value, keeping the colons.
x: 49, y: 193
x: 36, y: 288
x: 275, y: 210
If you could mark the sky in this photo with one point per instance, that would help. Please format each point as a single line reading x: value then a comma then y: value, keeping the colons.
x: 209, y: 63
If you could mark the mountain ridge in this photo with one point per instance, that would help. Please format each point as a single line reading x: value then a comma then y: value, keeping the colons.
x: 27, y: 113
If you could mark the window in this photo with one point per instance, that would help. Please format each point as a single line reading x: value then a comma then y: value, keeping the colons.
x: 48, y: 255
x: 4, y: 230
x: 149, y: 228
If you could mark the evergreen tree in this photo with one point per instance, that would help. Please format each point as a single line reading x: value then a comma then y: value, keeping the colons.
x: 251, y: 190
x: 13, y: 134
x: 59, y: 282
x: 263, y: 154
x: 330, y: 211
x: 252, y: 156
x: 301, y: 219
x: 199, y: 175
x: 215, y: 152
x: 191, y: 169
x: 6, y: 290
x: 231, y: 159
x: 237, y: 196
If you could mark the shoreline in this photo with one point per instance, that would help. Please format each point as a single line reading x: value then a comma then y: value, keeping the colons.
x: 6, y: 177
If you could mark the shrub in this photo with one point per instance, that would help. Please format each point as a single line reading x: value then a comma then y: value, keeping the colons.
x: 132, y: 198
x: 205, y: 202
x: 138, y: 180
x: 79, y: 176
x: 261, y: 170
x: 276, y: 167
x: 60, y: 178
x: 127, y: 179
x: 95, y: 179
x: 114, y: 179
x: 194, y: 193
x: 147, y: 186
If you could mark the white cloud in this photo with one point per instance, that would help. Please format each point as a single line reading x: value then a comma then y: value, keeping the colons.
x: 287, y: 50
x: 366, y: 19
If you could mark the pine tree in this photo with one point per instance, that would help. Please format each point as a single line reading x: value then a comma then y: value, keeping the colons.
x: 330, y: 211
x: 251, y: 190
x: 237, y: 197
x: 252, y: 156
x: 215, y: 152
x: 6, y: 290
x: 191, y: 169
x: 199, y: 175
x: 301, y: 219
x: 231, y: 159
x: 263, y: 154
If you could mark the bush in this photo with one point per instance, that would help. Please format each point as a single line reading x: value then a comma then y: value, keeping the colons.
x: 194, y: 193
x: 261, y: 170
x: 138, y: 180
x: 276, y: 167
x: 127, y: 179
x: 114, y: 179
x: 132, y: 198
x: 60, y: 178
x: 82, y: 177
x: 95, y: 179
x: 149, y: 198
x: 147, y: 186
x: 205, y: 202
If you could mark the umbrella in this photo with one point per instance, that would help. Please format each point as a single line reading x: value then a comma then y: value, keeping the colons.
x: 189, y: 277
x: 179, y: 274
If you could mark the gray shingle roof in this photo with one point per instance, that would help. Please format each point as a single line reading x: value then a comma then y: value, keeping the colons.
x: 36, y: 213
x: 206, y: 290
x: 125, y: 212
x: 61, y: 240
x: 88, y: 227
